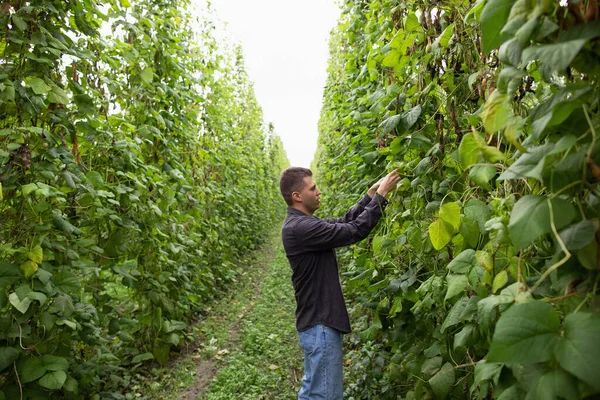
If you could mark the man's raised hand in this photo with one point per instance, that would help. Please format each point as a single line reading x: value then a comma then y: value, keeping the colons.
x: 388, y: 183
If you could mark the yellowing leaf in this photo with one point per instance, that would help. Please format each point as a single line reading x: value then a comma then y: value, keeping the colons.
x: 440, y: 233
x: 36, y: 254
x: 484, y: 259
x: 29, y: 268
x: 450, y: 212
x: 496, y: 112
x: 500, y: 280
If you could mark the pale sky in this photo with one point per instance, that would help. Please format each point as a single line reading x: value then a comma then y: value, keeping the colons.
x: 285, y: 45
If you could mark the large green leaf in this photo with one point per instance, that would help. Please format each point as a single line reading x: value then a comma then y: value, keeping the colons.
x: 578, y: 350
x: 530, y: 164
x: 463, y: 262
x: 54, y: 363
x: 493, y: 18
x: 456, y: 285
x: 530, y: 218
x: 9, y: 275
x: 442, y: 381
x: 37, y: 85
x: 482, y: 174
x: 479, y: 211
x: 554, y: 57
x: 579, y: 235
x: 8, y: 355
x: 453, y: 316
x: 556, y: 384
x: 53, y: 380
x: 526, y: 333
x: 32, y: 369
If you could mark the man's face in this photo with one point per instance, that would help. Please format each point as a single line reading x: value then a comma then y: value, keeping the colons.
x: 310, y: 195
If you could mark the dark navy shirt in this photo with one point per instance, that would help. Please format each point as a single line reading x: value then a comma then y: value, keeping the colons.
x: 309, y: 244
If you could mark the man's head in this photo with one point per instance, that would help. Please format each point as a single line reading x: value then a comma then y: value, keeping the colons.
x: 299, y: 189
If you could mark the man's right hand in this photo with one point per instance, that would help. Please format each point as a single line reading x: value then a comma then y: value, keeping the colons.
x: 388, y: 183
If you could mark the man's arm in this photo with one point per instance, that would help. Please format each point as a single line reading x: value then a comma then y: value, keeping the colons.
x: 355, y: 211
x: 313, y: 234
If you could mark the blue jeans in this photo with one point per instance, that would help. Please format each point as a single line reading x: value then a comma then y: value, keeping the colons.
x: 322, y: 379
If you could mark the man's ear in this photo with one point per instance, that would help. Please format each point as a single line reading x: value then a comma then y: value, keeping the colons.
x: 296, y: 197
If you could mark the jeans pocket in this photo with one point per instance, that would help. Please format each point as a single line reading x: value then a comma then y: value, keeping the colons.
x: 308, y: 339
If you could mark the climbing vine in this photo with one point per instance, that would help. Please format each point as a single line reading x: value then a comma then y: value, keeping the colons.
x: 135, y: 173
x: 482, y: 280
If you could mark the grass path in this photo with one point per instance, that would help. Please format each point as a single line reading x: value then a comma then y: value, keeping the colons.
x: 247, y: 345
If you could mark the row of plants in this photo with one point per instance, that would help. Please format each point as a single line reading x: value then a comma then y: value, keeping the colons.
x: 482, y: 280
x: 135, y: 173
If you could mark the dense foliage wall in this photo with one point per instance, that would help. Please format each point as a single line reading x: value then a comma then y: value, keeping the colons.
x: 482, y: 281
x: 135, y: 173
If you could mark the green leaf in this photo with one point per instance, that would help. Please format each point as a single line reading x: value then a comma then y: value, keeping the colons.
x: 553, y: 57
x: 482, y: 174
x: 390, y: 124
x: 21, y: 305
x: 478, y: 211
x: 8, y: 355
x: 19, y: 23
x: 32, y: 369
x: 494, y: 16
x: 462, y: 338
x: 53, y: 380
x: 456, y: 285
x: 462, y: 263
x: 468, y: 150
x: 578, y: 235
x: 147, y: 74
x: 469, y: 229
x: 530, y: 218
x: 442, y: 381
x: 95, y: 179
x: 500, y: 280
x: 526, y: 333
x: 63, y: 225
x: 530, y: 164
x: 578, y: 351
x: 510, y: 52
x: 588, y: 256
x: 38, y: 296
x: 450, y: 212
x: 557, y: 384
x: 38, y: 85
x: 487, y: 371
x: 453, y: 316
x: 58, y: 96
x: 431, y: 366
x: 29, y: 268
x: 9, y: 275
x: 142, y: 357
x: 54, y: 363
x: 64, y: 305
x: 161, y: 352
x: 440, y: 233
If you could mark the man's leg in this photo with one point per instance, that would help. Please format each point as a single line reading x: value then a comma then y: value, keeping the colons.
x: 322, y: 363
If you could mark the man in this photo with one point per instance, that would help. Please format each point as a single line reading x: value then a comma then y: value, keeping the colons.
x: 309, y: 242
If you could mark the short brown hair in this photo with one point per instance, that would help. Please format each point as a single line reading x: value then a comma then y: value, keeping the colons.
x: 292, y: 180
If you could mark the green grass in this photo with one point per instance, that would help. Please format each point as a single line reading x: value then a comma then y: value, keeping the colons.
x: 247, y: 342
x: 269, y: 362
